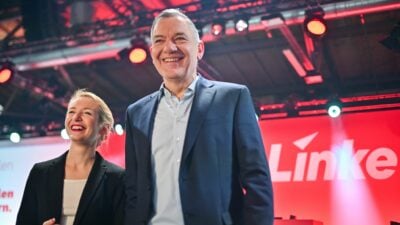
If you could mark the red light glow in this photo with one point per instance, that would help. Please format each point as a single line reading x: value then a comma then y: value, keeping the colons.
x: 294, y: 62
x: 5, y: 75
x: 314, y: 79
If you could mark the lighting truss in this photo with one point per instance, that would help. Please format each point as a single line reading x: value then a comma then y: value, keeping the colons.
x: 316, y: 107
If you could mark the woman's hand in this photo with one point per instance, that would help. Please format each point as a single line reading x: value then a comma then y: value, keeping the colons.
x: 51, y: 221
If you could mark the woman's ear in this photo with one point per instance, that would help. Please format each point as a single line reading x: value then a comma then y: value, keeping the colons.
x: 104, y: 131
x: 103, y: 134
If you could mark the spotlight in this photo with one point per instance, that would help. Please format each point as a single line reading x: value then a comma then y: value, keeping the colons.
x: 7, y: 71
x: 334, y: 107
x: 218, y: 28
x: 137, y: 53
x: 15, y: 137
x: 314, y: 23
x: 64, y: 134
x: 241, y: 25
x: 119, y: 129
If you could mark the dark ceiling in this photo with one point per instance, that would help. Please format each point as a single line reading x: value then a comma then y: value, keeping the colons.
x: 350, y: 57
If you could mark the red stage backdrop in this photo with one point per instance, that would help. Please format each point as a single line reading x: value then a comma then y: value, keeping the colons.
x: 342, y: 171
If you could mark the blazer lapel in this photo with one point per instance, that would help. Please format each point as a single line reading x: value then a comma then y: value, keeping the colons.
x: 55, y: 186
x: 94, y: 180
x: 204, y: 95
x: 148, y: 114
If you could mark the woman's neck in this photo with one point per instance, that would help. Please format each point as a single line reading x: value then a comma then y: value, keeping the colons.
x: 79, y: 162
x: 81, y: 154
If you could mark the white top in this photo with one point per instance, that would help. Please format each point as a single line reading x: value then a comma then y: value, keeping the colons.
x: 72, y: 194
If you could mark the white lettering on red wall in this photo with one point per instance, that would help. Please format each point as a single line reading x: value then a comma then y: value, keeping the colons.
x: 343, y: 162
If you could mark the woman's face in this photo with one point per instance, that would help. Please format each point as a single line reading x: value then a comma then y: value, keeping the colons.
x: 82, y: 121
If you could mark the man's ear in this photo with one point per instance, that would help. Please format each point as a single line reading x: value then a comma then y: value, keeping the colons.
x: 200, y: 50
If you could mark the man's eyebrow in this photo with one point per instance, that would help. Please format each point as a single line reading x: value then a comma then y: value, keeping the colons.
x: 158, y: 36
x: 176, y: 34
x: 180, y: 34
x: 86, y: 108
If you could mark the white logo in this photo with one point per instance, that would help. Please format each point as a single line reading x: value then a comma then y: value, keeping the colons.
x: 341, y: 162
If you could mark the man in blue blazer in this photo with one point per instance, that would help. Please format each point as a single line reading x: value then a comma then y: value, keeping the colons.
x: 194, y: 153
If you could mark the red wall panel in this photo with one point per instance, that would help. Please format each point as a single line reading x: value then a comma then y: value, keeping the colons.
x: 341, y: 171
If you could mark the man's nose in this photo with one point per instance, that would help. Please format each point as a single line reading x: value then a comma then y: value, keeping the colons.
x: 170, y: 46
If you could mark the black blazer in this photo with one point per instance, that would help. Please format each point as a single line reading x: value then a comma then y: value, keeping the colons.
x: 223, y: 154
x: 102, y: 200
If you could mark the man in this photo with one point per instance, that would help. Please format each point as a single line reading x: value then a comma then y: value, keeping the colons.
x: 194, y: 154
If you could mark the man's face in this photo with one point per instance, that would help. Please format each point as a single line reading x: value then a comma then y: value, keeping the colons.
x: 175, y: 50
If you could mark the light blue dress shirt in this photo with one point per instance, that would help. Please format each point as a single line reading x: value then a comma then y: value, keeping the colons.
x: 169, y: 131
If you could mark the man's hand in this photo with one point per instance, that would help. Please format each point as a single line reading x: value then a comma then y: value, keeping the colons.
x: 51, y: 221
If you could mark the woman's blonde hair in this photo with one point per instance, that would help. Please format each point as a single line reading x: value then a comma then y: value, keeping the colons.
x: 105, y: 115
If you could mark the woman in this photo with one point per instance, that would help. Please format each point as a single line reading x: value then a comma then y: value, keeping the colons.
x: 79, y: 187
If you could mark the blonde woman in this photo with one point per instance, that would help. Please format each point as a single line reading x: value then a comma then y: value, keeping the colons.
x: 79, y: 187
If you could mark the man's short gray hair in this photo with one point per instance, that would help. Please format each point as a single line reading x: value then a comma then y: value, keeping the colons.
x: 167, y: 13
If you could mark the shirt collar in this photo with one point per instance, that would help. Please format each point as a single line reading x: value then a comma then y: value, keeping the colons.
x: 189, y: 91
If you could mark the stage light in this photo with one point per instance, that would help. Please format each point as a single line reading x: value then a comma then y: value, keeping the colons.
x: 334, y: 111
x: 137, y: 53
x: 334, y: 107
x: 314, y: 22
x: 5, y: 75
x: 7, y: 71
x: 15, y: 137
x: 218, y: 28
x: 139, y: 50
x: 241, y: 25
x: 119, y: 129
x: 316, y: 26
x: 64, y: 134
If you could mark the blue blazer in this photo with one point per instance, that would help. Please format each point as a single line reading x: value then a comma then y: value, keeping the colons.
x: 224, y: 176
x: 102, y: 200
